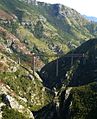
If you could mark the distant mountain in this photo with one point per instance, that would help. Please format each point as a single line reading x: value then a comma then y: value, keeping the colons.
x: 91, y: 18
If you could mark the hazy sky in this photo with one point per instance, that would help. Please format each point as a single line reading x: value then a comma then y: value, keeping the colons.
x: 87, y: 7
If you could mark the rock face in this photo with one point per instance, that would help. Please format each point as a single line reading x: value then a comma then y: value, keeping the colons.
x: 61, y: 10
x: 33, y: 2
x: 10, y: 99
x: 1, y: 104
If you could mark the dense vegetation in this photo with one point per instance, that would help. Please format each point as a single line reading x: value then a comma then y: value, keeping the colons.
x: 84, y: 104
x: 11, y: 114
x: 23, y: 86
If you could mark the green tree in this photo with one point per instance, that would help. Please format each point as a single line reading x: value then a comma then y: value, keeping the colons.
x: 38, y: 29
x: 14, y: 26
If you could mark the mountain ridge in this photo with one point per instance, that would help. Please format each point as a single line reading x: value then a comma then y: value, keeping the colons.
x: 88, y: 56
x: 91, y: 18
x: 71, y: 29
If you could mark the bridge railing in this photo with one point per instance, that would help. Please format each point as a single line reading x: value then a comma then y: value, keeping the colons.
x: 71, y: 56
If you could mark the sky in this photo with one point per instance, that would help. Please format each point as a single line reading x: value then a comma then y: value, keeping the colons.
x: 85, y: 7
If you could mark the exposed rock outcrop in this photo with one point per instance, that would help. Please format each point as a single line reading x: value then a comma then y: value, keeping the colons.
x: 9, y: 98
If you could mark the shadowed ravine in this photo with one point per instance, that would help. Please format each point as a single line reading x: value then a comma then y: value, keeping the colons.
x: 58, y: 109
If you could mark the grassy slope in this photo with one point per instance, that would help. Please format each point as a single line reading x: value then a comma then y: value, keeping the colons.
x: 55, y: 31
x: 19, y: 81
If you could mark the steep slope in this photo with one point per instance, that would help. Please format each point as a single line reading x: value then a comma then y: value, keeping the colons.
x: 78, y: 103
x: 21, y: 92
x: 28, y: 30
x: 44, y: 28
x: 84, y: 100
x: 76, y: 83
x: 77, y: 67
x: 67, y: 20
x: 70, y: 23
